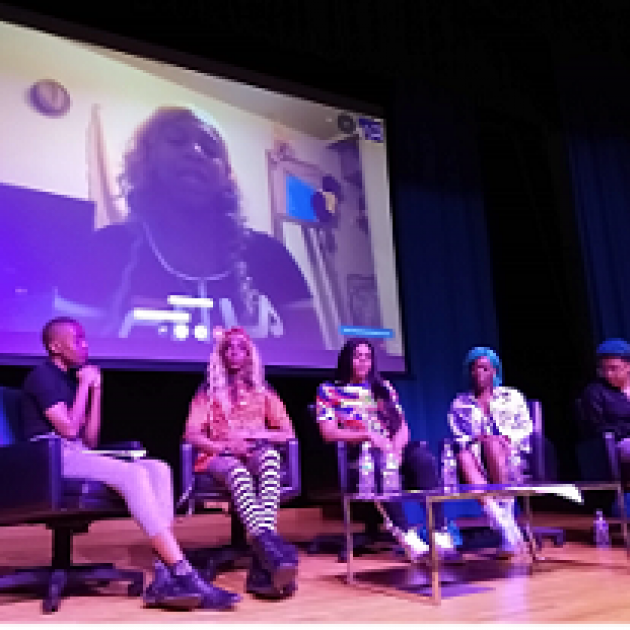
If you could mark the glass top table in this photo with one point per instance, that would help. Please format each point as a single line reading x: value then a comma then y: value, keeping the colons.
x: 429, y: 498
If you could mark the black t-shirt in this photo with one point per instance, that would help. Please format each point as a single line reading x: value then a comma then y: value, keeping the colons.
x: 118, y: 270
x: 44, y: 387
x: 607, y: 409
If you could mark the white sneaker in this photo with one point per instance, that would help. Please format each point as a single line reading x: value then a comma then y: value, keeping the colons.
x: 444, y: 541
x: 446, y: 548
x: 504, y: 521
x: 413, y: 545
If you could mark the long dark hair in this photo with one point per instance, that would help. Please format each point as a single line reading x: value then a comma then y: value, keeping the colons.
x: 138, y: 185
x: 345, y: 372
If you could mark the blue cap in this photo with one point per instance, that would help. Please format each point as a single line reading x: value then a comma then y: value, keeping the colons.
x: 614, y: 348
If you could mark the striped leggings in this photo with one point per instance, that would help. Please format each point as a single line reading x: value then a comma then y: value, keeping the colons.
x: 254, y: 485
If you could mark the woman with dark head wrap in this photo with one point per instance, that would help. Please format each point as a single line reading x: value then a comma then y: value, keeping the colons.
x: 489, y: 422
x: 606, y: 401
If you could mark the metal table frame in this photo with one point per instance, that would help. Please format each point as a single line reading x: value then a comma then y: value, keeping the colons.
x: 439, y: 495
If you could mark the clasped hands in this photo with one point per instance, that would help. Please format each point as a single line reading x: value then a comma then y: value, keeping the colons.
x: 241, y: 443
x: 90, y: 375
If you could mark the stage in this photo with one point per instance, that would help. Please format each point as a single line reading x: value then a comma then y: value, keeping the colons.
x: 577, y: 584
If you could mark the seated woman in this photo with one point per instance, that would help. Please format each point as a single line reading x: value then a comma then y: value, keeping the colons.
x: 606, y: 401
x: 489, y: 422
x: 342, y: 415
x: 234, y: 421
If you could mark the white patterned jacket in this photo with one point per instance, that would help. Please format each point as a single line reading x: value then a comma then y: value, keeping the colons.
x: 509, y: 416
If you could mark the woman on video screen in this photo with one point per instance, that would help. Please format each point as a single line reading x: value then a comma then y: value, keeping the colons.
x: 185, y: 236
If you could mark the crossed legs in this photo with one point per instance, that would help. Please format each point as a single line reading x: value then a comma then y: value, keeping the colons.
x: 495, y: 451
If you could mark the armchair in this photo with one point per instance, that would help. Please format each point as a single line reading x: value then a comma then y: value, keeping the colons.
x: 65, y: 506
x: 597, y: 453
x: 540, y: 466
x: 340, y: 455
x: 200, y: 487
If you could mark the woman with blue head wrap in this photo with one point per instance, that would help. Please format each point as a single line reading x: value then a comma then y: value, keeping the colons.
x: 606, y: 401
x: 489, y: 422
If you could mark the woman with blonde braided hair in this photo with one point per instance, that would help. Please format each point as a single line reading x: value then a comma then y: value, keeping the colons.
x: 234, y: 421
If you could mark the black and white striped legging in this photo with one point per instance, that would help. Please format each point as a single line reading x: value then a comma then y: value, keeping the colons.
x: 254, y: 486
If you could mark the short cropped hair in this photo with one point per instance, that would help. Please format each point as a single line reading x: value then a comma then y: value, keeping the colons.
x: 49, y: 331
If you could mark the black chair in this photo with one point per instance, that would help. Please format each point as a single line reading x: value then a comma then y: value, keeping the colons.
x: 34, y: 492
x: 597, y: 453
x: 198, y: 488
x: 336, y: 459
x: 539, y: 467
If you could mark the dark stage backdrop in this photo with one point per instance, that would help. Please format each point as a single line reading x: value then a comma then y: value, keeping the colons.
x: 596, y: 105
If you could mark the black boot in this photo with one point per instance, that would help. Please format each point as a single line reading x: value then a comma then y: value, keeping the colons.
x: 259, y: 583
x: 212, y: 597
x: 288, y: 550
x: 274, y: 560
x: 161, y: 576
x: 167, y: 592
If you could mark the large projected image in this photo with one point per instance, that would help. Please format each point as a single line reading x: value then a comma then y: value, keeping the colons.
x: 153, y: 203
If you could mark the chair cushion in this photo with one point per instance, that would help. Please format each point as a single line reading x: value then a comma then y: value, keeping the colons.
x: 83, y: 493
x: 9, y: 415
x: 207, y: 487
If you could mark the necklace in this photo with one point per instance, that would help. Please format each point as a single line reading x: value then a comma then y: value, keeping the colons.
x: 171, y: 269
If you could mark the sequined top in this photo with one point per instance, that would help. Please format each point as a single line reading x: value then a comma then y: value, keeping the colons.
x: 255, y: 410
x: 353, y: 406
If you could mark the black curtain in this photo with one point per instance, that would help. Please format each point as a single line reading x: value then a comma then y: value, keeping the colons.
x: 596, y: 107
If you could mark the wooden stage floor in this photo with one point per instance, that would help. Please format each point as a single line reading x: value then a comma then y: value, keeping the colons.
x: 578, y: 584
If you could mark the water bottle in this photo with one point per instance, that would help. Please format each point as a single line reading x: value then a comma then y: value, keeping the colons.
x: 454, y: 531
x: 449, y: 468
x: 366, y: 471
x: 514, y: 466
x: 368, y: 409
x: 390, y: 475
x: 600, y: 530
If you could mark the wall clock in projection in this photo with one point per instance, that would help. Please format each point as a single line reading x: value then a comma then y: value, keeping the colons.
x: 50, y: 97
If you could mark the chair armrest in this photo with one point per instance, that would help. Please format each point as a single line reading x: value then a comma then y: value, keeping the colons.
x: 342, y: 465
x: 294, y: 486
x: 613, y: 457
x: 537, y: 442
x: 187, y: 477
x: 127, y: 445
x: 32, y: 479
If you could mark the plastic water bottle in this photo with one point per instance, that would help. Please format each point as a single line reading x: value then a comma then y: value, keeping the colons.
x: 515, y: 471
x: 390, y: 475
x: 454, y: 531
x: 367, y: 406
x: 366, y: 471
x: 449, y: 468
x: 600, y: 530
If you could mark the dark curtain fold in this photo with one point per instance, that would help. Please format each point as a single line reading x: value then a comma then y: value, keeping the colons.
x: 443, y: 258
x: 442, y: 247
x: 596, y: 107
